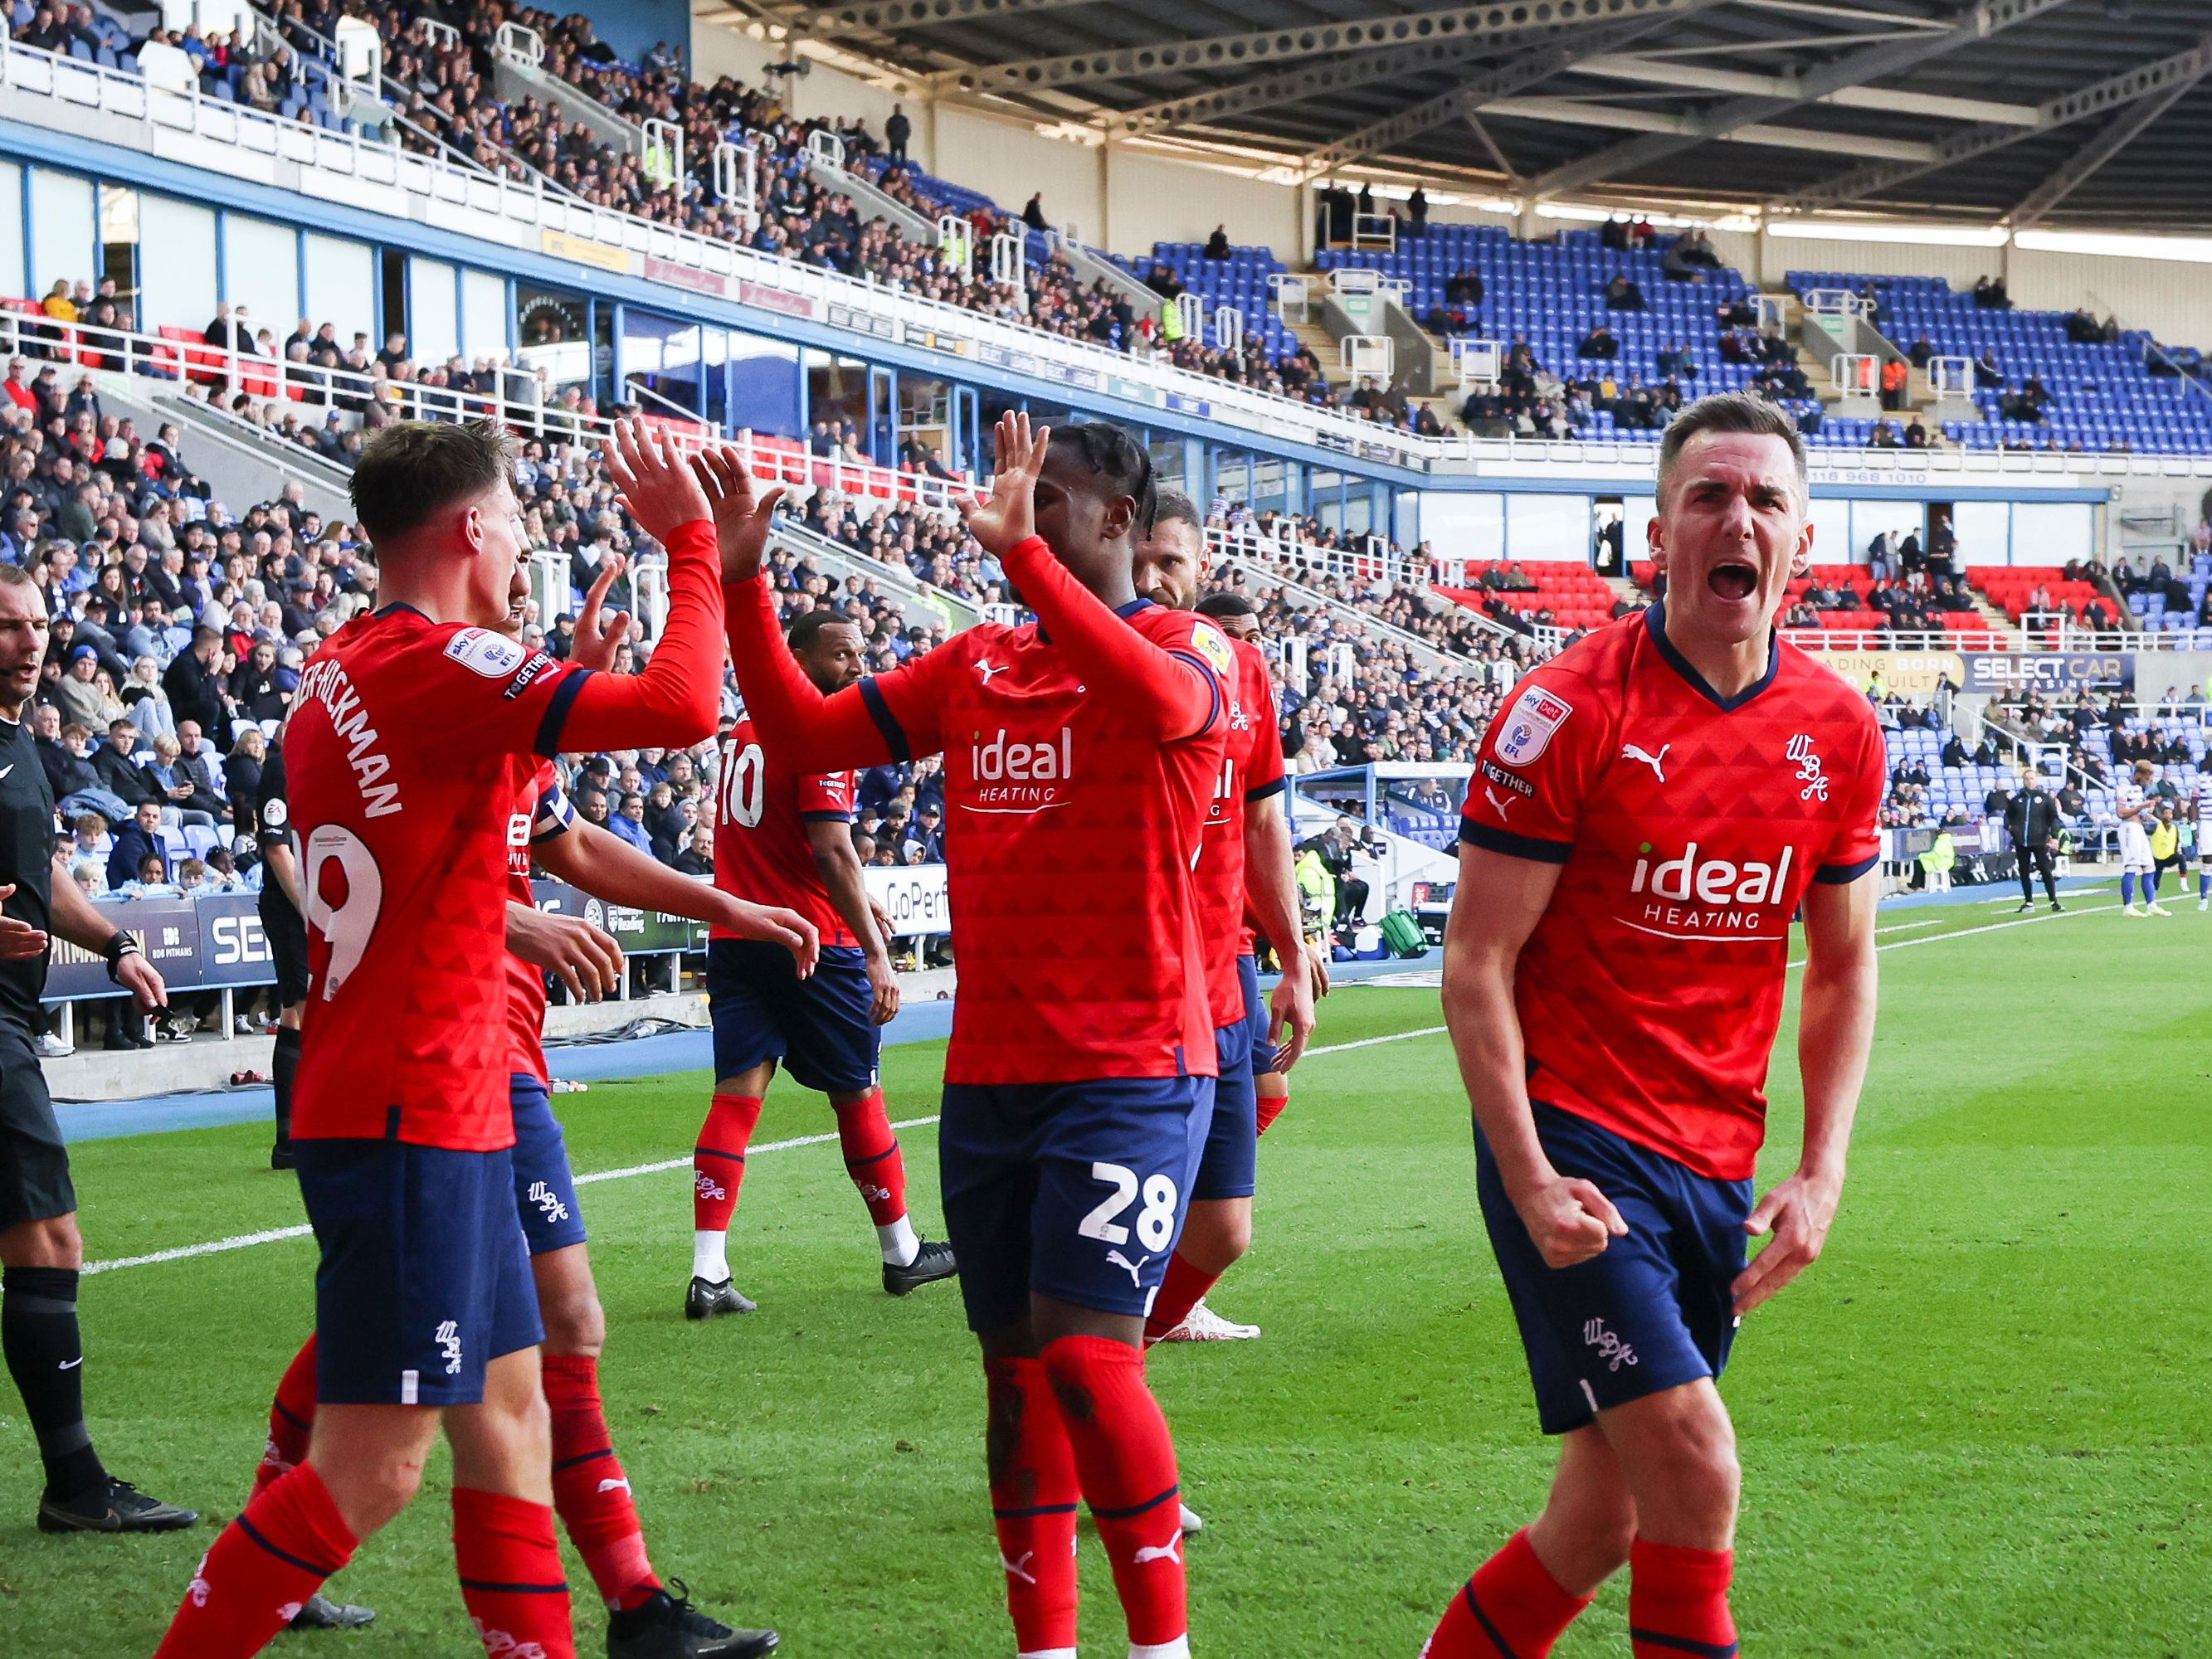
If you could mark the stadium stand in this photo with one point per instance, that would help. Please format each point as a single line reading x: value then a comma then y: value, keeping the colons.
x: 2042, y: 379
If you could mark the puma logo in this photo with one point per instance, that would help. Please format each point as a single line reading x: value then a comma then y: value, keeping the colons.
x: 1171, y: 1551
x: 987, y: 669
x: 614, y: 1485
x: 1133, y: 1269
x: 1630, y: 751
x: 1019, y: 1569
x: 1491, y: 795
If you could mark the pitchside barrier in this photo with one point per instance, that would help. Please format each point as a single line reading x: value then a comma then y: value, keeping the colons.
x: 214, y: 941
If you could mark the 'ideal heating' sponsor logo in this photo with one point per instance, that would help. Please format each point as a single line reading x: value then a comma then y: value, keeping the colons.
x: 1016, y: 775
x: 1688, y: 894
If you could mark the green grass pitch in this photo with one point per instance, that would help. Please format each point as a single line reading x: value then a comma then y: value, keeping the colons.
x: 1980, y: 1427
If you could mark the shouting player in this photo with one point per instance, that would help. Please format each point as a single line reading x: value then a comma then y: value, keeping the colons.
x: 1081, y: 751
x: 1653, y: 805
x: 409, y: 750
x: 591, y: 1493
x: 1247, y: 860
x: 788, y: 836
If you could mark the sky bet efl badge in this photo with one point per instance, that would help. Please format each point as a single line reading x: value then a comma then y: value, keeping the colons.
x: 1536, y: 714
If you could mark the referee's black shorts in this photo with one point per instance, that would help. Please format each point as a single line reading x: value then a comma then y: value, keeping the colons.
x: 34, y: 1175
x: 286, y: 930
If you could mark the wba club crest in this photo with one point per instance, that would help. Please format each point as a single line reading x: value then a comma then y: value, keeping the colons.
x: 1526, y: 732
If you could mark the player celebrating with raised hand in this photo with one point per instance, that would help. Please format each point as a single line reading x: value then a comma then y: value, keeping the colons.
x: 1652, y: 806
x: 788, y: 835
x: 1246, y: 865
x: 413, y: 740
x: 591, y: 1491
x: 1081, y: 752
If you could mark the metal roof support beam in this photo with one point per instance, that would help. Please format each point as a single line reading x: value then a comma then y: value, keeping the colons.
x: 1312, y: 81
x: 1654, y: 121
x: 1662, y: 72
x: 1512, y: 174
x: 1378, y: 138
x: 2107, y: 95
x: 2122, y: 131
x: 1514, y: 20
x: 1854, y: 69
x: 887, y: 17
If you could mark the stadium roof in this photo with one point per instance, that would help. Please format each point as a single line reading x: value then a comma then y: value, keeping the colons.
x: 2083, y: 114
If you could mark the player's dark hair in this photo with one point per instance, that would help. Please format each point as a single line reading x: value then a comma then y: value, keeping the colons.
x: 1731, y: 411
x: 1120, y: 462
x: 413, y: 469
x: 1225, y: 604
x: 1173, y: 506
x: 808, y: 625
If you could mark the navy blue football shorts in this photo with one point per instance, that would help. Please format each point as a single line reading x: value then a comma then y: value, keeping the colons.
x: 1650, y: 1312
x: 1257, y: 1017
x: 425, y: 1275
x: 1075, y: 1191
x: 1229, y: 1167
x: 545, y: 1188
x: 818, y: 1027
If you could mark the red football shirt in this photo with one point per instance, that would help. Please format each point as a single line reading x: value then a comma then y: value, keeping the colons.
x: 761, y: 851
x: 1251, y: 770
x: 551, y: 814
x: 1687, y: 827
x: 409, y: 750
x: 1070, y: 836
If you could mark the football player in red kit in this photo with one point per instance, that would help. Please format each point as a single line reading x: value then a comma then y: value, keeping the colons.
x: 788, y: 837
x: 1648, y: 812
x: 591, y: 1491
x: 416, y: 732
x: 1246, y: 867
x: 1081, y: 753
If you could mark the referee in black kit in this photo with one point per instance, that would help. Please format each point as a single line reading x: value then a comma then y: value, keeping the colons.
x: 40, y: 1250
x: 286, y: 929
x: 2030, y: 819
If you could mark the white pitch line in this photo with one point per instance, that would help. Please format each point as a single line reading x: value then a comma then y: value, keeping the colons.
x: 277, y: 1235
x: 246, y: 1241
x: 1987, y: 927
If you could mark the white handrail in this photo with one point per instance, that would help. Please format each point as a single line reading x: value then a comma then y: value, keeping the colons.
x: 284, y: 385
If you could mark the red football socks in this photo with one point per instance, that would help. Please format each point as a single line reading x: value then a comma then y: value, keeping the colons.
x: 1511, y: 1606
x: 1034, y: 1493
x: 1678, y: 1602
x: 718, y: 1162
x: 872, y: 1157
x: 289, y: 1538
x: 590, y: 1489
x: 510, y: 1569
x: 1181, y: 1289
x: 1126, y: 1463
x: 291, y: 1418
x: 1271, y: 1108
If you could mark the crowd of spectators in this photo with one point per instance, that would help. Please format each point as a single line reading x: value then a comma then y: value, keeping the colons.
x: 447, y: 94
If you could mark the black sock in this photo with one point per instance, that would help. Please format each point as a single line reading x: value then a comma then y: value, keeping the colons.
x: 38, y: 1334
x: 286, y: 1066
